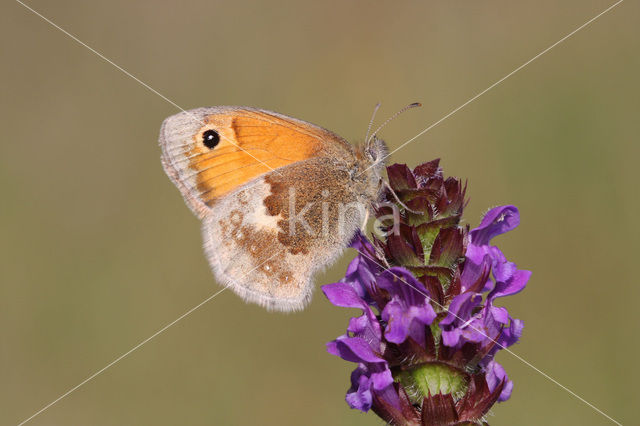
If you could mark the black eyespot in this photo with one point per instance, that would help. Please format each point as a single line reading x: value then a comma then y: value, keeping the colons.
x: 210, y: 139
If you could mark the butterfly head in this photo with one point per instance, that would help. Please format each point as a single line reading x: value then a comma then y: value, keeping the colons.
x: 376, y: 153
x: 370, y: 163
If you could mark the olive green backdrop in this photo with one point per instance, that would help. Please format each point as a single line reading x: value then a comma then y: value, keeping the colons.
x: 98, y: 251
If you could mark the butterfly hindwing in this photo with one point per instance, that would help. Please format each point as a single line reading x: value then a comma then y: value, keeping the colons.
x: 266, y: 240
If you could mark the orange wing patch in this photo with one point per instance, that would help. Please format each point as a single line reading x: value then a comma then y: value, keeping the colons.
x: 251, y: 144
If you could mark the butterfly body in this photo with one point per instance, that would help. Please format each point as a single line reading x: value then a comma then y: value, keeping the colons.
x: 279, y: 198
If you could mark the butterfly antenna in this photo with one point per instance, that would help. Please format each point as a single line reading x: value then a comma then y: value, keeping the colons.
x: 373, y: 135
x: 373, y: 116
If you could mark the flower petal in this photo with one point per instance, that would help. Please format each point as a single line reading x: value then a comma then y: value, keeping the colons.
x: 401, y: 282
x: 366, y: 327
x: 400, y: 317
x: 497, y: 221
x: 359, y: 395
x: 495, y: 375
x: 460, y: 308
x: 514, y: 285
x: 381, y: 379
x: 451, y: 337
x: 343, y: 294
x: 354, y: 349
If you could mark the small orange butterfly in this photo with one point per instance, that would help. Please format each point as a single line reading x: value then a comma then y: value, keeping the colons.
x: 279, y: 198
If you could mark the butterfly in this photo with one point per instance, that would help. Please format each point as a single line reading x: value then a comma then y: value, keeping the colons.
x: 279, y: 198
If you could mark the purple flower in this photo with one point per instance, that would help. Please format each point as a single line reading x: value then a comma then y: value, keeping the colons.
x: 363, y: 342
x: 428, y: 332
x: 508, y: 279
x: 490, y: 326
x: 409, y: 310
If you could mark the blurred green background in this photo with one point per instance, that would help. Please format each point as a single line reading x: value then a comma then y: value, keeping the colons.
x: 98, y: 251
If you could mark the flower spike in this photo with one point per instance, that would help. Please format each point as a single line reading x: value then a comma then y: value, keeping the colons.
x: 426, y: 340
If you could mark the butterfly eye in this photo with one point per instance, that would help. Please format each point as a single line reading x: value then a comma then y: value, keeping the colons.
x: 210, y: 139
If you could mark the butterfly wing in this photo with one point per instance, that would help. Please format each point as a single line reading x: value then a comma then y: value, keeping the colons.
x: 209, y: 152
